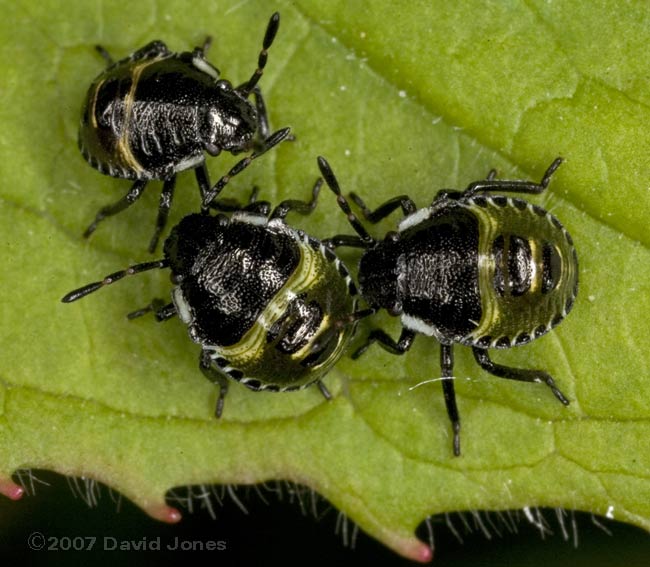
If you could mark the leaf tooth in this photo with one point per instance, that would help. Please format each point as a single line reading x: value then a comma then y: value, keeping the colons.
x: 164, y: 513
x: 10, y: 489
x: 415, y: 550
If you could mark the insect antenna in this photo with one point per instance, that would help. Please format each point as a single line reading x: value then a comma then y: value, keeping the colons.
x: 269, y: 36
x: 330, y: 179
x: 87, y: 289
x: 241, y: 165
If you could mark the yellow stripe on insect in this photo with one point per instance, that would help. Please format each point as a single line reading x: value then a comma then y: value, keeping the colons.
x: 307, y: 274
x: 123, y: 146
x: 93, y: 106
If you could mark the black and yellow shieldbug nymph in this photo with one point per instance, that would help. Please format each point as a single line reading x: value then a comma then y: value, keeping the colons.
x: 474, y: 268
x: 157, y: 113
x: 270, y: 306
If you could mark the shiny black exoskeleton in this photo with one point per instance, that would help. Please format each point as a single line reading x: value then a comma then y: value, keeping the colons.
x: 270, y: 306
x: 481, y: 270
x: 157, y: 113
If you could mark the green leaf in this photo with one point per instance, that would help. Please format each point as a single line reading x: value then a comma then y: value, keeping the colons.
x: 401, y: 98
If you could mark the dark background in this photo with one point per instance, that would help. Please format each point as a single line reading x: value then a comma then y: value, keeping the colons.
x: 289, y: 525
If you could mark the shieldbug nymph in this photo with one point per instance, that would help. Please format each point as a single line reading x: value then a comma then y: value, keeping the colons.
x: 157, y: 113
x: 269, y: 305
x: 474, y: 268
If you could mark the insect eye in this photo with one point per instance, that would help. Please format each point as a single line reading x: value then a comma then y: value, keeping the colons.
x: 224, y: 85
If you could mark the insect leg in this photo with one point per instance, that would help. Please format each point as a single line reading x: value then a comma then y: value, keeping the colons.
x: 263, y: 128
x: 504, y: 185
x: 346, y: 240
x: 216, y: 377
x: 131, y: 197
x: 539, y: 376
x: 323, y: 390
x: 302, y: 207
x: 381, y: 212
x: 105, y: 55
x: 166, y: 197
x: 403, y: 344
x: 161, y: 310
x: 447, y: 368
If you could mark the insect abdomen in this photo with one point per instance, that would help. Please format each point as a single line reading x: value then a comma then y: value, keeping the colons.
x: 528, y: 272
